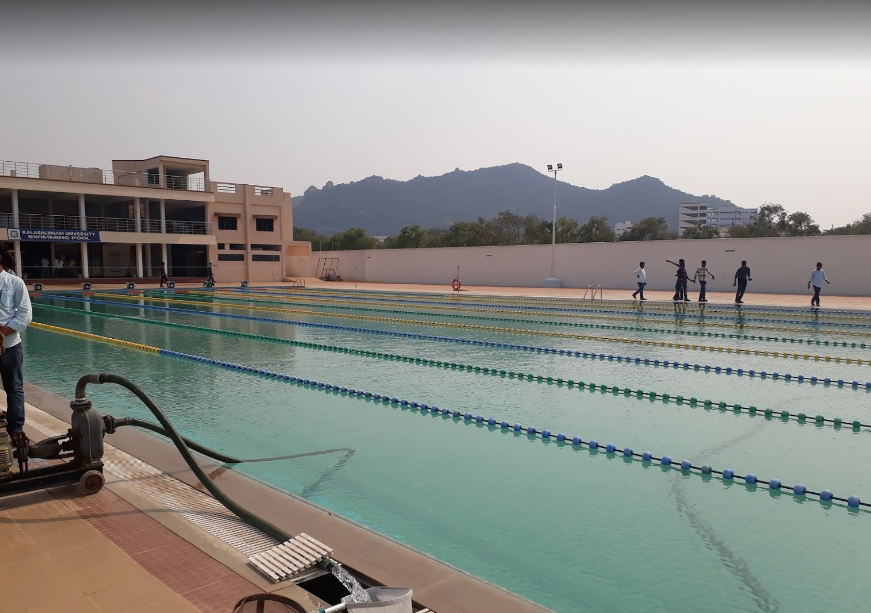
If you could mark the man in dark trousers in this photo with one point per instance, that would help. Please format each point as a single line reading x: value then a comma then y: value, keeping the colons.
x: 210, y: 276
x: 15, y: 316
x: 680, y: 286
x: 701, y: 275
x: 742, y: 275
x: 641, y: 279
x: 818, y: 275
x: 163, y: 277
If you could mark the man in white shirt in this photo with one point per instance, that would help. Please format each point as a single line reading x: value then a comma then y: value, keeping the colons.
x: 818, y: 275
x: 58, y: 266
x: 641, y: 278
x: 15, y: 316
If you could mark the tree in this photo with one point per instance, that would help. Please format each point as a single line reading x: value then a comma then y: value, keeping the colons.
x: 859, y: 226
x: 648, y: 229
x: 353, y: 238
x: 801, y: 224
x: 508, y: 228
x: 701, y: 232
x: 567, y: 231
x: 316, y: 239
x: 596, y: 230
x: 467, y: 234
x: 410, y: 237
x: 774, y: 220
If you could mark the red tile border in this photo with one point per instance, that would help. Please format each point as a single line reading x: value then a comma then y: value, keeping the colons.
x: 200, y: 579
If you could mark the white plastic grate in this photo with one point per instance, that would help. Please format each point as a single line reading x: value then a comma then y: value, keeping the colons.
x: 290, y: 558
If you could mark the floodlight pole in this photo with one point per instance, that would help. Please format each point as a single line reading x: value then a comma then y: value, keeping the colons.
x: 553, y: 233
x: 552, y: 281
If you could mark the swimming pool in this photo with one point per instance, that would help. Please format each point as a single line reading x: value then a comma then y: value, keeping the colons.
x: 567, y: 526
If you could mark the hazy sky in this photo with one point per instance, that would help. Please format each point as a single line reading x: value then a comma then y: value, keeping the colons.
x: 749, y: 103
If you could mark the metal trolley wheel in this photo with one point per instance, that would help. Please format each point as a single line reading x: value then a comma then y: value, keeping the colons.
x: 92, y: 482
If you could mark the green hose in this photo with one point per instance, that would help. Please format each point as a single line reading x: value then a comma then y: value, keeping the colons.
x: 170, y: 431
x: 217, y: 455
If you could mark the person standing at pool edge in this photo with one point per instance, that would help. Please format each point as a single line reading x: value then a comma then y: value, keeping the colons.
x: 163, y: 277
x: 818, y: 275
x: 680, y: 286
x: 742, y: 275
x: 641, y: 277
x: 210, y: 276
x: 15, y: 316
x: 701, y: 275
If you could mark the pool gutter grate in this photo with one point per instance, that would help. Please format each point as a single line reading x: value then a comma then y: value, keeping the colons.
x: 289, y: 559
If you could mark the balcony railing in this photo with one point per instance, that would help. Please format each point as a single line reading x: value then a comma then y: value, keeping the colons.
x: 30, y: 170
x: 104, y: 224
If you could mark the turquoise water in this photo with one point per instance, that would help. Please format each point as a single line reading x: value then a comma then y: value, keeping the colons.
x: 572, y: 529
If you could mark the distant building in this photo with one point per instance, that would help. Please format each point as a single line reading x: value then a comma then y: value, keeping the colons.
x: 693, y: 214
x: 622, y: 226
x: 125, y: 221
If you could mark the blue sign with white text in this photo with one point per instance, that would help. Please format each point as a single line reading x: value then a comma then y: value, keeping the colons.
x: 53, y: 236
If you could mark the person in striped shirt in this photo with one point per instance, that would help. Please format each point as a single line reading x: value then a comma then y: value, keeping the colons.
x: 701, y: 276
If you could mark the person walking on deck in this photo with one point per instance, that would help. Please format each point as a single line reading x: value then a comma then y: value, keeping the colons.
x: 818, y: 275
x: 742, y: 276
x: 680, y: 286
x: 641, y: 279
x: 701, y: 276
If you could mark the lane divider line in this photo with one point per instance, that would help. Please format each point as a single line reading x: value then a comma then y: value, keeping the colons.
x: 587, y: 337
x: 626, y: 392
x: 493, y: 424
x: 728, y: 370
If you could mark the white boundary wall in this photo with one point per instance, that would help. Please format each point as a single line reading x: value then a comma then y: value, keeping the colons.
x: 778, y: 265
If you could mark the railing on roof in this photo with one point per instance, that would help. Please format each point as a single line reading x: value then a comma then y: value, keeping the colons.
x: 30, y: 170
x: 103, y: 224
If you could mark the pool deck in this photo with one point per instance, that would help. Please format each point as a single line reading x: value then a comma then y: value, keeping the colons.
x: 830, y: 301
x: 123, y: 551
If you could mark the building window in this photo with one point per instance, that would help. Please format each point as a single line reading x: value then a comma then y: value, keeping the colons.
x: 231, y: 257
x: 265, y: 247
x: 221, y: 246
x: 265, y: 225
x: 265, y: 258
x: 237, y: 247
x: 227, y: 223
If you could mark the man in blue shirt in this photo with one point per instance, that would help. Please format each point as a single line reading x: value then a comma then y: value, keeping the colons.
x: 15, y: 316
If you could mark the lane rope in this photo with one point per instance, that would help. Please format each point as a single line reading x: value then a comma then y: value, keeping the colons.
x: 567, y: 335
x: 493, y: 423
x: 615, y: 390
x: 629, y: 360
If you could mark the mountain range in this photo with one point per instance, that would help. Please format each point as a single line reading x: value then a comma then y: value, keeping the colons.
x: 384, y: 206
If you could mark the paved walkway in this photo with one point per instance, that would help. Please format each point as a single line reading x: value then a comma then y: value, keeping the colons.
x: 62, y: 552
x: 751, y: 298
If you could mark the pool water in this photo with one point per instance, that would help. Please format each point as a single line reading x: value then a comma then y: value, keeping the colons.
x: 571, y: 528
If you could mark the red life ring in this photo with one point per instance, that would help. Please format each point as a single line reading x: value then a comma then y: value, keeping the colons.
x: 456, y: 284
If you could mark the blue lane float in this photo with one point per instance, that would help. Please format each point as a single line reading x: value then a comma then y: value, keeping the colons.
x: 576, y: 442
x: 448, y: 339
x: 741, y: 311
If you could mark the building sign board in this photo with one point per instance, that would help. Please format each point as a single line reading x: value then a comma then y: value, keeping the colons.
x: 53, y: 236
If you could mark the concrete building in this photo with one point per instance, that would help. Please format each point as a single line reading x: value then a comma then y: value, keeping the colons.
x: 622, y: 226
x: 694, y: 214
x: 122, y: 223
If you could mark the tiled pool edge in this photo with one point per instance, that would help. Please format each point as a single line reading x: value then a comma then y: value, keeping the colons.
x: 436, y: 585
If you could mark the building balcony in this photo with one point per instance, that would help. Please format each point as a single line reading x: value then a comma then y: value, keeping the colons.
x: 28, y: 170
x: 104, y: 224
